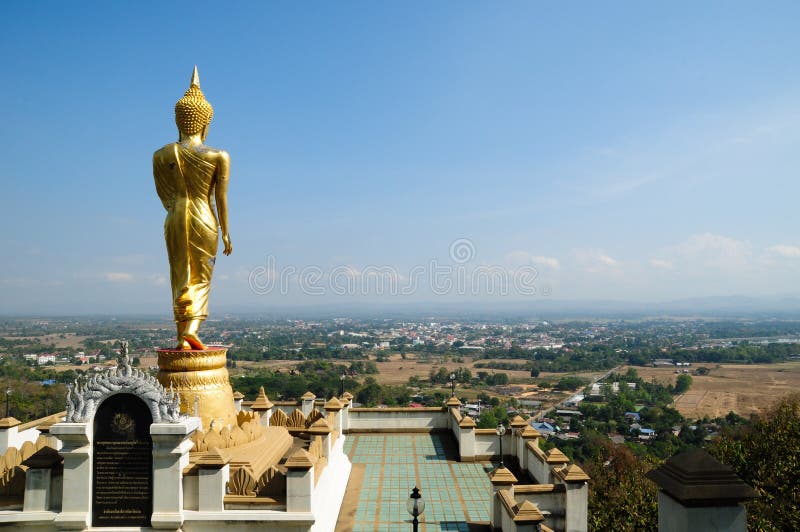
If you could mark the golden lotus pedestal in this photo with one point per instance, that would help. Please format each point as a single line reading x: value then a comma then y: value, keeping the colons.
x: 201, y: 379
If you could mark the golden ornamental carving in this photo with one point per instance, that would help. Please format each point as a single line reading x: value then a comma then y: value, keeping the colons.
x: 192, y: 361
x: 272, y: 483
x: 214, y: 440
x: 244, y: 417
x: 297, y: 420
x: 237, y: 437
x: 195, y: 379
x: 279, y: 419
x: 27, y: 450
x: 12, y: 457
x: 224, y: 438
x: 242, y: 482
x: 12, y: 472
x: 225, y: 434
x: 208, y: 389
x: 313, y: 416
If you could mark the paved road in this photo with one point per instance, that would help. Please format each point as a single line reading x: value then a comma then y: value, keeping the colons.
x: 540, y: 414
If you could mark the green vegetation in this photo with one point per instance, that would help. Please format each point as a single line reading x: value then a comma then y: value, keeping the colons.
x: 567, y: 359
x: 571, y: 383
x: 29, y: 398
x: 741, y: 353
x: 765, y: 453
x: 491, y: 417
x: 442, y: 375
x: 508, y: 366
x: 683, y: 382
x: 620, y: 496
x: 492, y: 379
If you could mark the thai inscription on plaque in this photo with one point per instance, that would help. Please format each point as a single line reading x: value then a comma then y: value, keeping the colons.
x: 122, y: 480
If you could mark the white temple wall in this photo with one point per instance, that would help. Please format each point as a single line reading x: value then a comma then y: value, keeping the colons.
x: 455, y: 429
x: 674, y: 517
x: 397, y: 419
x: 331, y: 488
x: 552, y: 504
x: 247, y: 520
x: 538, y: 468
x: 191, y: 492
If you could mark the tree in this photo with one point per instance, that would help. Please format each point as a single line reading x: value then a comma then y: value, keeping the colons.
x: 371, y: 393
x: 571, y: 383
x: 487, y: 420
x: 766, y: 454
x: 683, y: 382
x: 534, y: 372
x: 620, y: 496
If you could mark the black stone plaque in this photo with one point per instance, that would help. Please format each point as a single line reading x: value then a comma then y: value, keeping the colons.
x: 122, y: 468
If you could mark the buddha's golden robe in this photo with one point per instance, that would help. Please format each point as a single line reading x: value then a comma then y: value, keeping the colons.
x: 185, y: 184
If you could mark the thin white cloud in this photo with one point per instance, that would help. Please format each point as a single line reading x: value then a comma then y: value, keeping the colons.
x: 608, y: 261
x: 624, y: 186
x: 159, y: 280
x: 133, y: 260
x: 28, y: 282
x: 518, y: 258
x: 118, y: 277
x: 686, y: 149
x: 784, y: 250
x: 550, y: 262
x: 613, y: 188
x: 596, y: 260
x: 708, y: 250
x: 661, y: 264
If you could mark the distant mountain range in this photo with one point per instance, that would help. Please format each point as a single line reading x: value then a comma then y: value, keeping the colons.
x: 706, y: 307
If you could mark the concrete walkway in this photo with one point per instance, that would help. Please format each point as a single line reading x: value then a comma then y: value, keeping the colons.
x: 387, y: 466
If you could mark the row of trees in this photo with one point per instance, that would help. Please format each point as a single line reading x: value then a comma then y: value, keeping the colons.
x: 742, y: 353
x: 323, y: 379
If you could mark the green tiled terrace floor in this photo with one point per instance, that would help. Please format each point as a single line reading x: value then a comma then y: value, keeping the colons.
x: 455, y: 494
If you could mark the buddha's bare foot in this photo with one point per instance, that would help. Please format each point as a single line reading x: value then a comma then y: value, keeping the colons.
x: 193, y: 341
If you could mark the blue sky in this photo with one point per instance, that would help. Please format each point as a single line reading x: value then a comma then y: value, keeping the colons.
x: 626, y: 151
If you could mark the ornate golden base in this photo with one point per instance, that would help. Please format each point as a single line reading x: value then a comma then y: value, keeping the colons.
x: 199, y: 376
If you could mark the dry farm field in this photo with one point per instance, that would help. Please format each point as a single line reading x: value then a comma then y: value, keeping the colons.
x: 60, y: 340
x: 740, y: 388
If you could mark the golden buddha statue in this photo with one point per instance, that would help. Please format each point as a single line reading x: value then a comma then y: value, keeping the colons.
x: 190, y: 179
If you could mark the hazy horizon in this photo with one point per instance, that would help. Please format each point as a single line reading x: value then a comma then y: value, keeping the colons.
x: 712, y: 308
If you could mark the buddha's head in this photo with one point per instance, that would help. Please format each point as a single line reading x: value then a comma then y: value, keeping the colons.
x: 193, y: 113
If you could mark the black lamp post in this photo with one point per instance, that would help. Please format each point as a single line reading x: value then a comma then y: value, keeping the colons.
x: 415, y: 506
x: 500, y: 431
x: 452, y: 385
x: 8, y: 395
x: 341, y: 387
